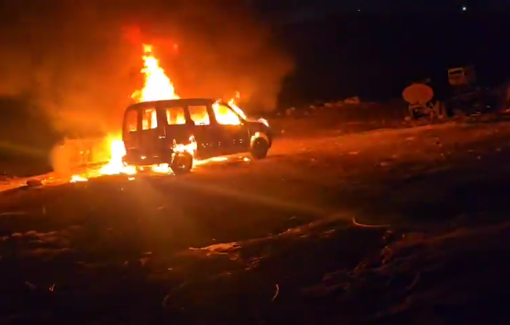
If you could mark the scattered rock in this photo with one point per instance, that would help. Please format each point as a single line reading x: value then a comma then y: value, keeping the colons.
x: 31, y: 286
x: 34, y: 183
x: 52, y: 287
x: 353, y: 100
x: 144, y: 261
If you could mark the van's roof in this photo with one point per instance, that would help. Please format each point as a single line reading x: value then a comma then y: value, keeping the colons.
x: 171, y: 102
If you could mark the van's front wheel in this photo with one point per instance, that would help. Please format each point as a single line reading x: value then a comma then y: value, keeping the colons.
x: 182, y: 163
x: 259, y: 148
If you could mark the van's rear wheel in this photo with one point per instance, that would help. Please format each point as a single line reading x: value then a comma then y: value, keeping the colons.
x: 182, y: 163
x: 259, y: 148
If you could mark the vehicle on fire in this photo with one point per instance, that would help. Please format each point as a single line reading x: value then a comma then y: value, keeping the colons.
x: 177, y: 131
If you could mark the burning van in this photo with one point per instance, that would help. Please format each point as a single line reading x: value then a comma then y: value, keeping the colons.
x: 178, y: 131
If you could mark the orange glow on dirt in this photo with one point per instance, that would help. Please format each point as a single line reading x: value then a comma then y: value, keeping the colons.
x: 78, y: 179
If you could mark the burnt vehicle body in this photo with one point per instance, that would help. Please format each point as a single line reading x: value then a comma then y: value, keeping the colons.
x: 176, y: 131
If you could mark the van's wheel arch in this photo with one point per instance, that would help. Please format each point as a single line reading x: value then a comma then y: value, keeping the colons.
x: 182, y: 163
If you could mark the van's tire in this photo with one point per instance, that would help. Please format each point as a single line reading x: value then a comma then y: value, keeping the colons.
x: 259, y: 148
x: 182, y: 163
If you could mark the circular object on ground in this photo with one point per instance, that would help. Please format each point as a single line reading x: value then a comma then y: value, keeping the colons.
x: 259, y: 148
x: 182, y: 163
x: 418, y: 94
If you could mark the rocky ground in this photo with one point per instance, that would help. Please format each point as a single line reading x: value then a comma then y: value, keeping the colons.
x: 351, y: 224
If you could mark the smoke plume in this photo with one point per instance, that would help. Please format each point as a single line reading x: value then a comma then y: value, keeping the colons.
x: 79, y: 61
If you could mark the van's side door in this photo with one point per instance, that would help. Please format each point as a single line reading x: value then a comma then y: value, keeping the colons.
x: 151, y: 136
x: 177, y: 127
x: 130, y: 134
x: 231, y: 131
x: 201, y: 121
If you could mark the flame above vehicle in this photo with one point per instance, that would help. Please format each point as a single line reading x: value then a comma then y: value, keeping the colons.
x: 158, y: 85
x: 233, y: 104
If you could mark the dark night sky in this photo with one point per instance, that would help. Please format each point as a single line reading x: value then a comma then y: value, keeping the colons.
x: 299, y: 10
x: 70, y: 60
x: 374, y: 53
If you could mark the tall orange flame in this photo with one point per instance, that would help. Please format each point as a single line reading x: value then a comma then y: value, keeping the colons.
x: 157, y: 87
x: 157, y: 84
x: 232, y: 103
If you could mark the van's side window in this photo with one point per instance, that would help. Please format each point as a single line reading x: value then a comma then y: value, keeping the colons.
x: 175, y: 116
x: 199, y: 115
x: 225, y: 115
x: 149, y: 119
x: 132, y: 121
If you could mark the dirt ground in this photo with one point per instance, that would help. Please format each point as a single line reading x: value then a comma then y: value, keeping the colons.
x: 347, y: 226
